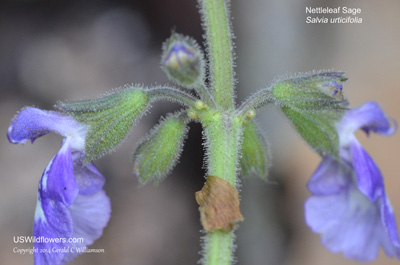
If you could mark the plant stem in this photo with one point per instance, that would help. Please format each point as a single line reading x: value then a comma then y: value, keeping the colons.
x: 216, y: 21
x: 205, y: 95
x: 218, y: 250
x: 222, y: 130
x: 223, y: 133
x: 255, y: 101
x: 172, y: 94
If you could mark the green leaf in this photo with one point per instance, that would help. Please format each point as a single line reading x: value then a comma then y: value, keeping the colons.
x: 159, y: 152
x: 110, y: 118
x: 317, y: 128
x: 255, y: 158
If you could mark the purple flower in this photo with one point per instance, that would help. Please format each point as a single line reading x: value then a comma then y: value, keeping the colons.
x: 349, y: 206
x: 72, y: 209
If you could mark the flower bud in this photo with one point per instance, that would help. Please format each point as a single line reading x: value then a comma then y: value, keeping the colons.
x: 200, y: 105
x: 183, y: 61
x: 157, y: 155
x: 311, y: 92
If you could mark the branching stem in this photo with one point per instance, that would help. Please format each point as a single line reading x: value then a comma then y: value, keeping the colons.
x: 172, y: 94
x: 255, y: 101
x: 205, y: 95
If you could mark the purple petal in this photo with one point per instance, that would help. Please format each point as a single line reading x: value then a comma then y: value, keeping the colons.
x: 329, y: 178
x: 344, y: 213
x: 89, y: 179
x: 369, y: 177
x: 90, y: 214
x: 63, y: 212
x: 389, y: 224
x: 31, y: 123
x: 369, y: 117
x: 52, y: 225
x: 57, y: 190
x: 348, y: 222
x: 58, y: 180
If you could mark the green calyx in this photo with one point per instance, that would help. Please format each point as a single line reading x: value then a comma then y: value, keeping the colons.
x: 314, y: 103
x: 157, y: 155
x: 255, y: 157
x: 317, y: 128
x: 110, y: 118
x: 311, y: 92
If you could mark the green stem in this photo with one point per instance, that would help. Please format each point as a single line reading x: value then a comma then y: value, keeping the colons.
x: 217, y: 27
x: 218, y: 250
x: 255, y: 101
x: 171, y: 94
x: 205, y: 95
x: 223, y: 132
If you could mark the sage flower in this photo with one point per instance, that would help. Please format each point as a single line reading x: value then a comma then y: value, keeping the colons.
x: 349, y: 206
x: 72, y: 209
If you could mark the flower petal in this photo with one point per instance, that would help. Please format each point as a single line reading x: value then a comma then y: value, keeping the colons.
x: 58, y: 180
x: 90, y: 214
x: 369, y: 117
x: 369, y: 177
x: 53, y: 223
x: 392, y: 247
x: 348, y: 222
x: 31, y: 123
x: 329, y: 178
x: 52, y: 226
x: 89, y: 179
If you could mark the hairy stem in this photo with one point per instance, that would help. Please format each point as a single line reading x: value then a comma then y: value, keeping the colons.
x: 222, y: 130
x: 171, y: 94
x: 255, y: 101
x: 218, y: 250
x: 223, y: 133
x: 205, y: 95
x: 216, y: 21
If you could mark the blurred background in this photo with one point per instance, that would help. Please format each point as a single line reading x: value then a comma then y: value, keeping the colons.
x: 72, y: 50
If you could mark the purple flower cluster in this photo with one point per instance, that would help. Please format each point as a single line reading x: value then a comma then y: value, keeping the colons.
x: 349, y: 206
x: 72, y: 209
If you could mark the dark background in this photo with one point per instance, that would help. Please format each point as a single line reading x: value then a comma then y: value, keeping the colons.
x: 71, y: 50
